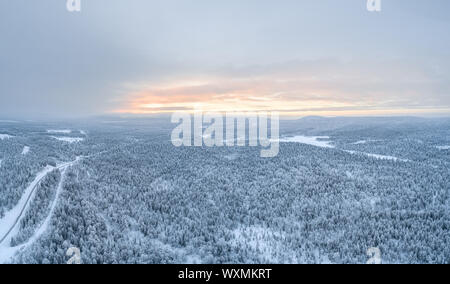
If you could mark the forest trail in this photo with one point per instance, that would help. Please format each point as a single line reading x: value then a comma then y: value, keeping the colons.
x: 9, y: 225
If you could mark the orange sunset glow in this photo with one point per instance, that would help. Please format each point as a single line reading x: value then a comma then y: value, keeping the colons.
x: 289, y: 97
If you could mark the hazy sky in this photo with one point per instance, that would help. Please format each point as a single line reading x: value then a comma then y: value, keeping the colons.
x: 323, y: 57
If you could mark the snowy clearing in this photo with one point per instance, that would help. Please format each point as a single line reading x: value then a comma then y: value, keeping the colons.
x: 68, y: 139
x: 266, y: 242
x: 25, y: 150
x: 361, y: 142
x: 377, y: 156
x: 61, y: 131
x: 382, y: 157
x: 310, y: 140
x: 443, y: 147
x: 231, y: 157
x: 5, y: 136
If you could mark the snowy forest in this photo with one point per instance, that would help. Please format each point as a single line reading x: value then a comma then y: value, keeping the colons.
x: 118, y: 190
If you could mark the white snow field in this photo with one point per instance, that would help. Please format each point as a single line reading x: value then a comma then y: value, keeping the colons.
x: 68, y: 139
x: 59, y: 131
x: 25, y: 150
x: 10, y: 223
x: 377, y: 156
x: 5, y: 136
x: 443, y: 147
x: 310, y: 140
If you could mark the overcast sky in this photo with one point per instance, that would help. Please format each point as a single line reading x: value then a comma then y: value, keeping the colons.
x: 323, y: 57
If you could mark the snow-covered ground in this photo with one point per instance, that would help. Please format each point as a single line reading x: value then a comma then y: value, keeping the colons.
x: 59, y: 131
x: 314, y: 141
x: 46, y: 222
x: 310, y: 140
x: 361, y: 142
x: 11, y: 217
x: 231, y: 157
x: 443, y: 147
x: 68, y: 139
x: 383, y: 157
x: 10, y: 223
x: 25, y: 150
x: 377, y: 156
x: 266, y: 242
x: 7, y: 252
x: 5, y: 136
x: 82, y: 132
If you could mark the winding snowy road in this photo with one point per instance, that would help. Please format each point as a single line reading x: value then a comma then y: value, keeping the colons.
x: 9, y: 224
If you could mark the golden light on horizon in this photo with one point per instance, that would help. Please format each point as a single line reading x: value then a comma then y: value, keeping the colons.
x: 255, y: 95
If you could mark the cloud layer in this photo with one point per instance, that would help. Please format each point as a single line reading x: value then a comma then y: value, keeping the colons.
x: 298, y: 87
x: 295, y: 56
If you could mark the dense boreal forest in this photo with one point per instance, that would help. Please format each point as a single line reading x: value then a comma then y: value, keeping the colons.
x: 135, y: 198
